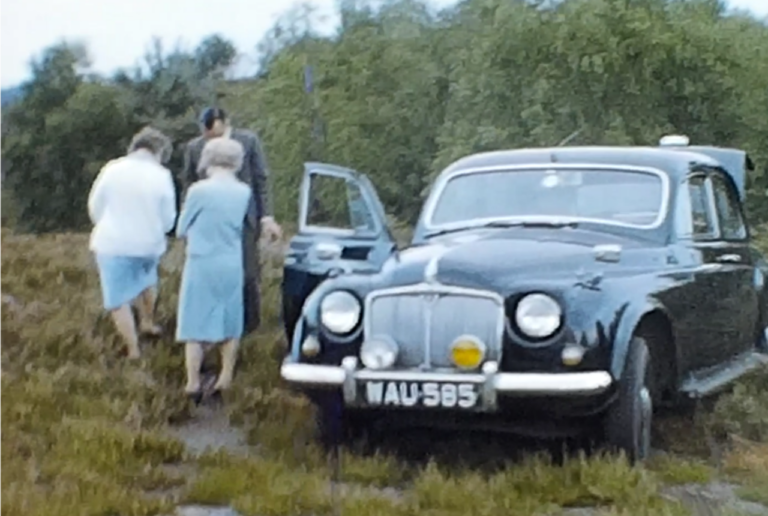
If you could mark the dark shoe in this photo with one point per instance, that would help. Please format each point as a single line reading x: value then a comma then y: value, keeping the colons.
x: 195, y: 397
x: 217, y: 397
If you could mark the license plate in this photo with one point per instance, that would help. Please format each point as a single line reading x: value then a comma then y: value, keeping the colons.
x: 421, y: 394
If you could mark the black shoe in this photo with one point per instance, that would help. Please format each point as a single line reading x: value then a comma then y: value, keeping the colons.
x: 195, y: 397
x: 217, y: 397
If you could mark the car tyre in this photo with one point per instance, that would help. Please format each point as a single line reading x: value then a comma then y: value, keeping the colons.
x: 629, y: 418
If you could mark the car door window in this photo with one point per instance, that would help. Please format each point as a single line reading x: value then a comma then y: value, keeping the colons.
x: 694, y: 217
x: 728, y: 207
x: 335, y: 203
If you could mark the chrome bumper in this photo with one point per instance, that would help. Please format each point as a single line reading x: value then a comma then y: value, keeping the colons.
x: 492, y: 383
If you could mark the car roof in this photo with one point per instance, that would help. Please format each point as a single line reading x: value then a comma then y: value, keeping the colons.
x: 675, y: 162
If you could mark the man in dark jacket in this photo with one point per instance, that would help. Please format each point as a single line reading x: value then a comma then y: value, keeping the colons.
x: 214, y: 124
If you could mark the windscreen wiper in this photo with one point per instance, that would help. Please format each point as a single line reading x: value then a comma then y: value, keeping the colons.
x: 531, y: 224
x: 509, y: 224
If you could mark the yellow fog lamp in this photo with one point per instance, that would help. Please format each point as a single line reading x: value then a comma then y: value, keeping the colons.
x: 467, y: 352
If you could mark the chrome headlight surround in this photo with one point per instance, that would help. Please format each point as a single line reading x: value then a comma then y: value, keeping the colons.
x: 538, y: 316
x: 379, y: 352
x: 340, y: 312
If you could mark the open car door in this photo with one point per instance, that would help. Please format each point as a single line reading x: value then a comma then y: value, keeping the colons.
x: 342, y: 229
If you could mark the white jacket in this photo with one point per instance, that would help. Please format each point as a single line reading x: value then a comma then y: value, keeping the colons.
x: 132, y: 205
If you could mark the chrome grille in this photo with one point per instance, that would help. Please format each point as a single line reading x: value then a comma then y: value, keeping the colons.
x: 424, y: 323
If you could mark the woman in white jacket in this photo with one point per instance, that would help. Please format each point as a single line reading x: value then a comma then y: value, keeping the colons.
x: 132, y: 205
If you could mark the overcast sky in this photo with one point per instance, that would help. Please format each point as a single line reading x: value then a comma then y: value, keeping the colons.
x: 118, y: 31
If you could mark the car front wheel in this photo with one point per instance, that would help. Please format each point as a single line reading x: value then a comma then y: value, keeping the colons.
x: 629, y: 418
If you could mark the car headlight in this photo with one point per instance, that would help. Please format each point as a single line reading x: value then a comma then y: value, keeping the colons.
x: 340, y: 312
x: 538, y: 315
x: 378, y: 353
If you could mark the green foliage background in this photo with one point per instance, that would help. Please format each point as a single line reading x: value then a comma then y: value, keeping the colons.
x: 401, y: 91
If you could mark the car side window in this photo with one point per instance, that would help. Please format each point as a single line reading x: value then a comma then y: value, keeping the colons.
x: 333, y: 202
x: 694, y: 217
x: 728, y: 206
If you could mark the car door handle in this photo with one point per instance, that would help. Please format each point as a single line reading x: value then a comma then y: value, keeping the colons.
x: 729, y: 258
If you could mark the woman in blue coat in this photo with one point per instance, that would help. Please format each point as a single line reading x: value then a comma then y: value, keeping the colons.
x: 213, y: 218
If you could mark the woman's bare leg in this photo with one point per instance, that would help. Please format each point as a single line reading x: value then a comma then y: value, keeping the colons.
x: 193, y: 354
x: 145, y: 304
x: 126, y: 327
x: 228, y: 359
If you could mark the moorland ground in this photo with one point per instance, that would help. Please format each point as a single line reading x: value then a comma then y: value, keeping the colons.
x: 85, y: 432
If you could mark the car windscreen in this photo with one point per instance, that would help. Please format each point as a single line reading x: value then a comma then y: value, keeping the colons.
x: 617, y: 196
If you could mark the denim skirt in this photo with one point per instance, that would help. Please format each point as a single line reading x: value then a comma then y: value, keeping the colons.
x: 123, y: 278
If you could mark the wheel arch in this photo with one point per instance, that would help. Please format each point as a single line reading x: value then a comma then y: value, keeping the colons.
x: 650, y: 320
x: 656, y: 328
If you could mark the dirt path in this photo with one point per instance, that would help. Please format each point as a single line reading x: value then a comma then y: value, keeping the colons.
x: 210, y: 428
x: 713, y: 499
x: 199, y: 510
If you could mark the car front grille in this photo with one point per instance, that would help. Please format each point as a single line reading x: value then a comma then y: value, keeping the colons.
x: 424, y: 323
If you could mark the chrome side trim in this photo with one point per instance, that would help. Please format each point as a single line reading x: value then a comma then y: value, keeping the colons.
x: 443, y: 180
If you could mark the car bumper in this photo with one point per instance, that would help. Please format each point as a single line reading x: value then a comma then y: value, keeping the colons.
x: 492, y: 383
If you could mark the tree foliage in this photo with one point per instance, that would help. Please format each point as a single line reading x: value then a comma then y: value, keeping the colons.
x: 403, y: 91
x: 69, y: 123
x: 400, y: 91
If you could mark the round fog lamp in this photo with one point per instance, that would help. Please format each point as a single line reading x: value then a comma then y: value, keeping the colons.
x: 378, y: 353
x: 572, y: 355
x: 311, y: 346
x: 467, y: 352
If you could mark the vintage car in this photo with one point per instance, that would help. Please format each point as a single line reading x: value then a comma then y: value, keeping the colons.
x: 552, y: 291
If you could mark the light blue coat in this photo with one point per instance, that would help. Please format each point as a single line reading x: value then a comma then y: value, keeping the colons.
x: 211, y: 296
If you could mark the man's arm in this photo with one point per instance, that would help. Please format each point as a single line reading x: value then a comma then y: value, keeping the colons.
x: 189, y: 171
x: 189, y: 212
x: 260, y: 183
x: 251, y: 215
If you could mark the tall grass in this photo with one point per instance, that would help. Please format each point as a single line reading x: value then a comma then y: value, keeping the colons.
x: 86, y: 433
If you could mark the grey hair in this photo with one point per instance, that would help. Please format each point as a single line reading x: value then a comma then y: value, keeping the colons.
x: 154, y: 141
x: 222, y: 152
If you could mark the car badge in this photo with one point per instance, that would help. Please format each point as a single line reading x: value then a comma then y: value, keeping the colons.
x: 430, y: 271
x: 430, y: 298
